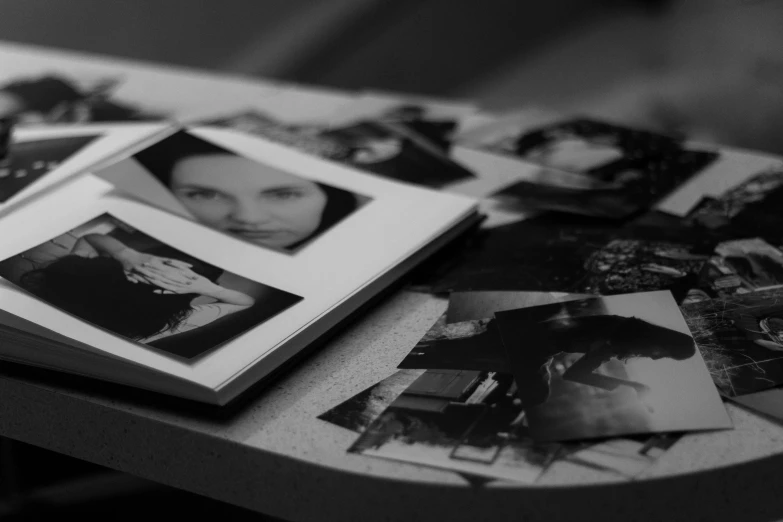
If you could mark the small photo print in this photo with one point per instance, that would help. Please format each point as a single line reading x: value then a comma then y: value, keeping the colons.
x: 740, y: 266
x: 752, y: 208
x: 465, y: 421
x: 629, y: 169
x: 609, y: 366
x: 241, y: 197
x: 403, y: 143
x: 741, y: 339
x: 28, y: 161
x: 56, y: 98
x: 121, y: 280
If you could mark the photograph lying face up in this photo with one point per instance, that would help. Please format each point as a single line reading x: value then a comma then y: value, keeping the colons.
x: 609, y: 366
x: 741, y: 338
x: 242, y: 197
x: 624, y: 170
x: 132, y: 285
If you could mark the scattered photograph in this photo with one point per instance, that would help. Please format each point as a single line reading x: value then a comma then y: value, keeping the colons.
x: 630, y: 169
x: 743, y: 265
x: 122, y: 280
x: 741, y: 339
x: 464, y: 421
x: 469, y: 341
x: 27, y: 161
x: 403, y: 143
x: 753, y: 208
x: 609, y: 366
x: 55, y: 98
x: 542, y: 256
x: 241, y: 197
x: 358, y: 412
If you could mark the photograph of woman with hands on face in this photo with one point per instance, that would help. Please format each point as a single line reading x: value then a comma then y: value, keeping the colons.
x: 126, y: 282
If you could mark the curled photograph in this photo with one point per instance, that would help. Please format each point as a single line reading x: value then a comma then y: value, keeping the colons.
x: 608, y: 366
x: 241, y: 197
x: 119, y: 279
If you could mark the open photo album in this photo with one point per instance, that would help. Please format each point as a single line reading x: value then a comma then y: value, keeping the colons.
x: 194, y: 260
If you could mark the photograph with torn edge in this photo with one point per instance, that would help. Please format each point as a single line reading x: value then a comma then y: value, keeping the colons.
x: 112, y: 276
x: 465, y: 421
x: 609, y: 366
x: 403, y: 144
x: 466, y: 345
x: 645, y: 164
x: 55, y: 98
x: 243, y: 198
x: 27, y: 161
x: 538, y: 256
x: 741, y: 339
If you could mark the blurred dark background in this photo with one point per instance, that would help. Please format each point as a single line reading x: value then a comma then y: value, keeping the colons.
x: 711, y: 67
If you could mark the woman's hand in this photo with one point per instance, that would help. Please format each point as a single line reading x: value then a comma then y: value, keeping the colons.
x: 185, y: 281
x: 133, y: 262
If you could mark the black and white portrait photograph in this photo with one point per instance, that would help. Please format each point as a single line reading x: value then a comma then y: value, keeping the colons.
x: 27, y: 161
x: 629, y: 169
x: 609, y: 366
x: 241, y: 197
x: 403, y: 143
x: 741, y: 338
x: 465, y: 421
x: 126, y: 282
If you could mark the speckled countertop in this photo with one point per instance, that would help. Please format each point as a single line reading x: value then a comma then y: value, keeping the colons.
x: 276, y: 457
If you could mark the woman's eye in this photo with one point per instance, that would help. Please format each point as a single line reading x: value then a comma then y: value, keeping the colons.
x: 206, y: 195
x: 283, y: 195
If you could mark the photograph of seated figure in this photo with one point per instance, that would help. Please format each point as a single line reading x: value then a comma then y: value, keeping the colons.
x: 242, y: 197
x: 124, y: 281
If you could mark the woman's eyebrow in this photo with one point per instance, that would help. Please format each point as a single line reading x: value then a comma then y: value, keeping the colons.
x: 282, y: 188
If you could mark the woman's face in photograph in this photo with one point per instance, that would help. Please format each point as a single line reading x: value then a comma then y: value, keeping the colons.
x: 259, y: 204
x: 574, y: 154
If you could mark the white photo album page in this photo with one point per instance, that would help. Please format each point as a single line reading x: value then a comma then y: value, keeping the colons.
x: 250, y: 244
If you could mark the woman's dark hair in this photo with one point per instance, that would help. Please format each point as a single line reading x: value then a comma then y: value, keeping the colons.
x: 96, y: 290
x: 161, y: 158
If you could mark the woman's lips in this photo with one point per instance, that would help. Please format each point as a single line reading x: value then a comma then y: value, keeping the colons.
x: 256, y: 234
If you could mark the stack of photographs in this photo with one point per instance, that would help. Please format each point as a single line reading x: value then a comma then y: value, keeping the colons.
x: 607, y: 383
